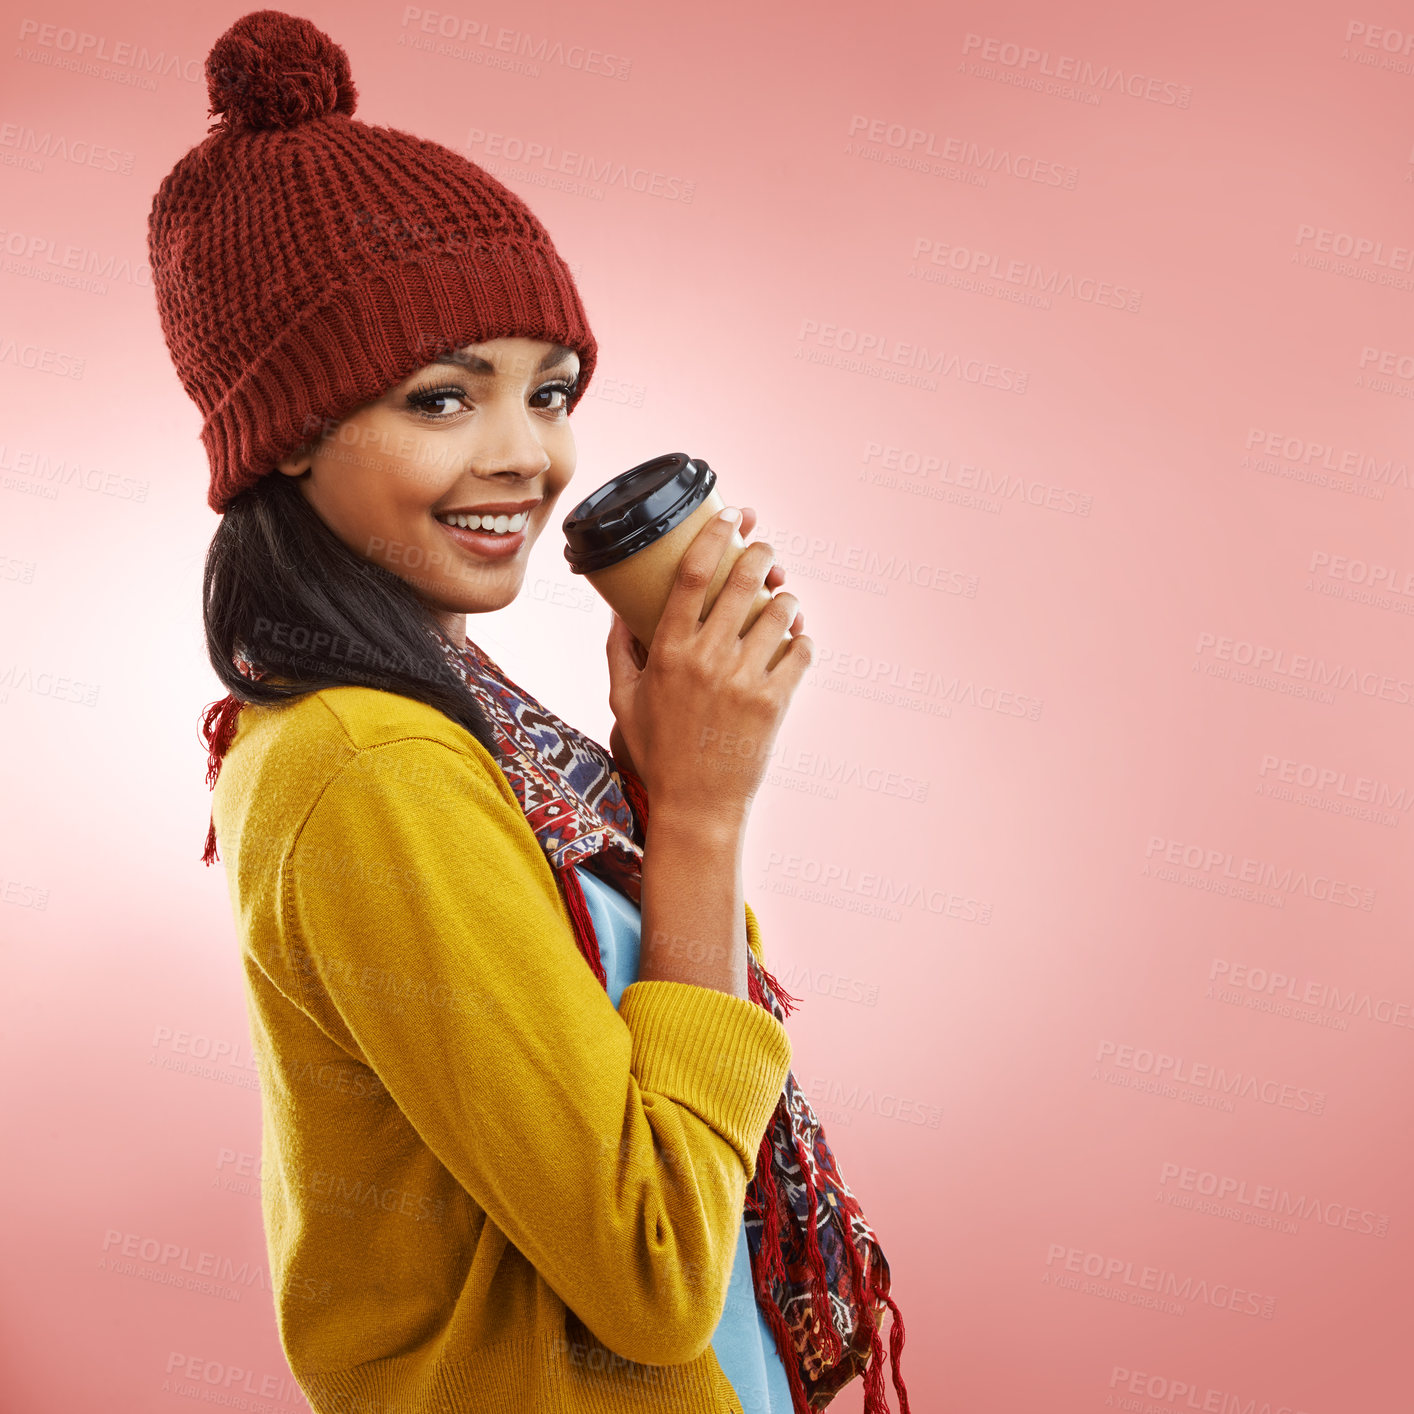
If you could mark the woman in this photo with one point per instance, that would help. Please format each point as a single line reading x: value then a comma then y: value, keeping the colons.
x: 494, y: 1177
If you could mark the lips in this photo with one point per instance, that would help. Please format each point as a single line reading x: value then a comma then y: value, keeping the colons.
x: 485, y: 544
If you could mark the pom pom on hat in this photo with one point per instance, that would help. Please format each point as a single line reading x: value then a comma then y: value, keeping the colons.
x: 273, y: 70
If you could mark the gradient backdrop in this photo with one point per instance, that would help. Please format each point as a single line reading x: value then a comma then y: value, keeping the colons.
x: 1068, y: 360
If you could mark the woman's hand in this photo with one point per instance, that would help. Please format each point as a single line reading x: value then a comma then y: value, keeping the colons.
x: 775, y: 577
x: 696, y: 716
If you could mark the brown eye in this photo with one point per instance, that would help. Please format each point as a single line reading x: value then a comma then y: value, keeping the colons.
x: 567, y: 389
x: 426, y: 401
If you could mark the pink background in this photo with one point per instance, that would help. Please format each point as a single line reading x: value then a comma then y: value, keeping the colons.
x: 1076, y: 579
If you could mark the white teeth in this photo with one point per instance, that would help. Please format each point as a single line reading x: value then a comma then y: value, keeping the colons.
x: 500, y: 525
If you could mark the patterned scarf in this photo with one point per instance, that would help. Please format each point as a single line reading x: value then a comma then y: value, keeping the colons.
x: 821, y: 1280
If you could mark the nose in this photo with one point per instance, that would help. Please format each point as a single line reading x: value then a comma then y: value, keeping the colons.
x: 509, y: 444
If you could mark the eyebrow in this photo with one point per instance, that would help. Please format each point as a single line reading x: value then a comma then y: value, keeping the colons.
x: 474, y: 363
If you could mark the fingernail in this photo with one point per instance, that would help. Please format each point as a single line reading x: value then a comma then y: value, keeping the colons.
x: 730, y: 514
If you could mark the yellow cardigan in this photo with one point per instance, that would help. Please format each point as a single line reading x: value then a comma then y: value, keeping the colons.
x: 484, y: 1187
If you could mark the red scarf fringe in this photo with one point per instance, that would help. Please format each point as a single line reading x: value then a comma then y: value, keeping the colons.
x: 218, y: 727
x: 875, y: 1398
x: 896, y: 1350
x: 583, y: 923
x: 772, y: 1265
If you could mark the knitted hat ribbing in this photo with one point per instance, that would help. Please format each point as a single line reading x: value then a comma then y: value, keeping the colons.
x: 305, y: 262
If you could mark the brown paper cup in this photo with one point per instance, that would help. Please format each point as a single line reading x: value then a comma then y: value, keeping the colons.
x: 637, y: 587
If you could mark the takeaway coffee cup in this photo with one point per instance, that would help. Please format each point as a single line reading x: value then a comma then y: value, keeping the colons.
x: 628, y: 538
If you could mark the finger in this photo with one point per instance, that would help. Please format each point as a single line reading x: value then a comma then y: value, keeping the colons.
x: 759, y: 642
x: 738, y: 592
x: 794, y: 662
x: 776, y: 576
x: 683, y: 611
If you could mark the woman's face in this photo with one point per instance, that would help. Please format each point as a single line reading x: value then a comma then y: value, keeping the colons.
x: 484, y: 433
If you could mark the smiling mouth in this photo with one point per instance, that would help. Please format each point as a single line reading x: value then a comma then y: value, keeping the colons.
x: 486, y: 544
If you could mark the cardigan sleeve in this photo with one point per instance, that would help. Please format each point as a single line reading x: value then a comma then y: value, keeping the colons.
x: 612, y: 1146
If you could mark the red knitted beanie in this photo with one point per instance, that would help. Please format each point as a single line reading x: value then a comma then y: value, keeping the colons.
x: 305, y: 262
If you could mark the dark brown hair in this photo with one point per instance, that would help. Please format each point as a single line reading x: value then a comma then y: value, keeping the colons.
x: 299, y: 603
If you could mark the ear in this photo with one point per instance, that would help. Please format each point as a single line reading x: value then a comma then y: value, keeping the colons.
x: 297, y: 463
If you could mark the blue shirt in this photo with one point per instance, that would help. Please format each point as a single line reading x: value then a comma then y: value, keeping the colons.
x: 743, y: 1343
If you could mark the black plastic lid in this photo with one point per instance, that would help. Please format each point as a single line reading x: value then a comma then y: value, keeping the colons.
x: 634, y: 509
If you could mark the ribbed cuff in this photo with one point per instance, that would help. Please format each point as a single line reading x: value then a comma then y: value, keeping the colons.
x: 723, y: 1057
x: 753, y: 936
